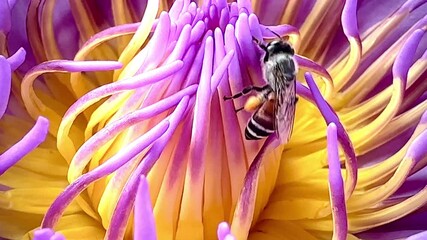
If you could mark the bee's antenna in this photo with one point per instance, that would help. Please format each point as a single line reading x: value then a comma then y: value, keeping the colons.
x: 277, y: 35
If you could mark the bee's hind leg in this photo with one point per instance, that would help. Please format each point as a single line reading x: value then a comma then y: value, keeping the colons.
x: 247, y: 90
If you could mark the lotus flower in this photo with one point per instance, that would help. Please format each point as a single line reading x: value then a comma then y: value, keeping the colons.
x: 114, y: 126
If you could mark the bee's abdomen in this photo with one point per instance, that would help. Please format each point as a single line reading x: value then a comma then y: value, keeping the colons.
x: 260, y: 125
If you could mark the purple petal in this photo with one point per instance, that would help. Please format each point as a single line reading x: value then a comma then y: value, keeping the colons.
x: 29, y: 142
x: 126, y: 201
x: 82, y: 156
x: 244, y: 211
x: 336, y: 185
x: 181, y: 45
x: 229, y: 237
x: 176, y: 9
x: 43, y: 234
x: 134, y: 82
x: 411, y: 5
x: 313, y: 67
x: 5, y: 19
x: 405, y: 56
x: 110, y: 33
x: 57, y: 236
x: 223, y: 230
x: 197, y: 32
x: 12, y: 3
x: 144, y: 226
x: 5, y: 84
x: 224, y: 18
x: 387, y: 235
x: 221, y: 70
x: 282, y: 30
x: 245, y: 4
x: 330, y: 116
x: 17, y: 58
x: 75, y: 188
x: 304, y: 92
x: 255, y: 27
x: 349, y: 19
x: 418, y: 148
x: 418, y: 236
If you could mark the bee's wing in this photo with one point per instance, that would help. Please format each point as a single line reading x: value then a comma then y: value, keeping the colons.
x: 285, y: 111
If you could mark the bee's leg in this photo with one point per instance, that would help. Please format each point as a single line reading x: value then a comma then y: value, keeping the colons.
x: 246, y: 90
x: 296, y: 100
x: 259, y: 43
x: 238, y: 109
x: 277, y: 35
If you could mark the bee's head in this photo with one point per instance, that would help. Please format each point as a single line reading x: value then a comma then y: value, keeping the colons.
x: 279, y: 46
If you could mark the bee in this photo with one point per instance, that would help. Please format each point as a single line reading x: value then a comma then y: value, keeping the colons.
x: 274, y: 105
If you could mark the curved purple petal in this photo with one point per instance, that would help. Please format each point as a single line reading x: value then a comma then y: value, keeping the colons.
x: 17, y: 58
x: 144, y: 227
x: 29, y: 142
x: 245, y: 206
x: 134, y: 82
x: 404, y: 59
x: 82, y: 156
x: 75, y: 188
x: 126, y: 201
x: 330, y: 116
x: 5, y: 84
x: 336, y: 185
x: 418, y: 148
x: 349, y: 19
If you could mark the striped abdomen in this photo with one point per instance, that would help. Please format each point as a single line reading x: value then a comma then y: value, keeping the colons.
x: 261, y: 124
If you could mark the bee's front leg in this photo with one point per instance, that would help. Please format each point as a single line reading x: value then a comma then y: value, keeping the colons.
x: 259, y: 43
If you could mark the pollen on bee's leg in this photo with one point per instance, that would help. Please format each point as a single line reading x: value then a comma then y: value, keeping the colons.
x: 252, y: 103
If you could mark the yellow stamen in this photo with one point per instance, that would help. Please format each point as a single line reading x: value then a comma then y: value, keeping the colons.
x: 137, y: 40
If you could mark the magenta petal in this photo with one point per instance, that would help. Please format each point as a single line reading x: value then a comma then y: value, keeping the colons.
x: 144, y: 227
x: 336, y: 185
x: 5, y: 85
x: 29, y: 142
